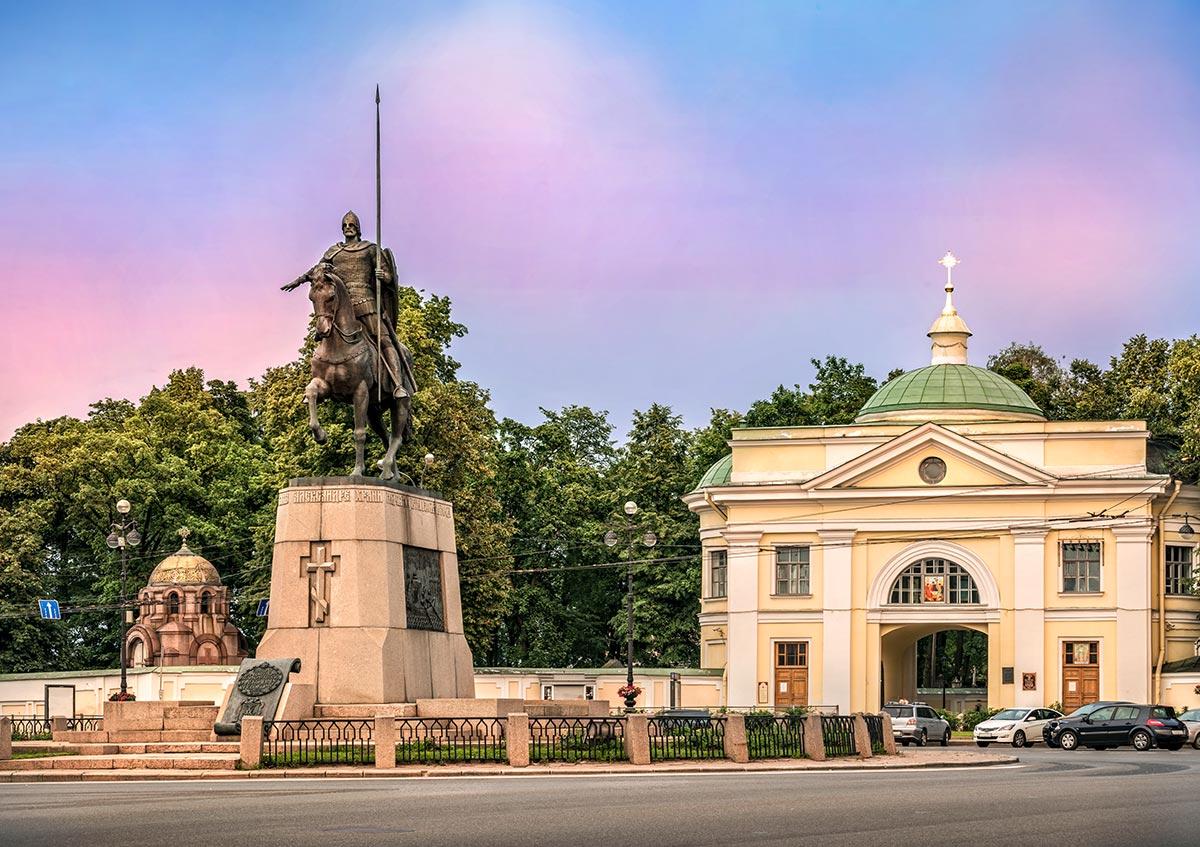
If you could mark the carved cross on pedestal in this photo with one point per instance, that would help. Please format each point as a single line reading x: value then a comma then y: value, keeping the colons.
x: 319, y: 565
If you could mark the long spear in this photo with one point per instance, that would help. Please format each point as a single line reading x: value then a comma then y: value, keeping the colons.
x: 378, y: 259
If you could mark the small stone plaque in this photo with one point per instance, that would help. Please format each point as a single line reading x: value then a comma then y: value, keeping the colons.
x: 256, y: 691
x: 423, y: 589
x: 1006, y: 676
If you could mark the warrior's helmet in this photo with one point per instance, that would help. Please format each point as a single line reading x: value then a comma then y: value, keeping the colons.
x: 350, y: 217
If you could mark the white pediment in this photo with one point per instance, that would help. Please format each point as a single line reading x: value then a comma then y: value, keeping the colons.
x: 894, y: 464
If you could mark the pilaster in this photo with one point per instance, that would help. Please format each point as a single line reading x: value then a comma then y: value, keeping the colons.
x: 1132, y: 565
x: 1029, y: 614
x: 837, y: 557
x: 741, y: 631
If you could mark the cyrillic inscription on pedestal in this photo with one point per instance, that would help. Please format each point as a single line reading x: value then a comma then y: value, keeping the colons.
x: 423, y: 589
x: 319, y: 565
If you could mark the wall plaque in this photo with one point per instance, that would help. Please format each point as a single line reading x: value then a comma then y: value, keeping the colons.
x: 1029, y: 682
x: 423, y: 589
x: 1006, y: 676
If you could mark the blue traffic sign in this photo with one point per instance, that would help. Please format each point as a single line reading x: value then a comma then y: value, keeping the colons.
x: 263, y: 607
x: 49, y: 610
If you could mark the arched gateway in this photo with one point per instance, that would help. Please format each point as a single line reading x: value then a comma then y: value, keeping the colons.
x: 950, y: 503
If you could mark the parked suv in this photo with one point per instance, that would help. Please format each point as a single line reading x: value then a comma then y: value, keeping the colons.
x: 1117, y: 724
x: 917, y: 722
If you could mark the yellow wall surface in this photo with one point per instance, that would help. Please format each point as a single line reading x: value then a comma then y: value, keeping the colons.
x: 905, y: 473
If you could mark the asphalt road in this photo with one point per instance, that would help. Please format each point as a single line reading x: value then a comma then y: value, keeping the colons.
x: 1084, y: 798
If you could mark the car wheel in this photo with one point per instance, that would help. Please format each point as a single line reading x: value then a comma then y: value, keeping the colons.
x: 1019, y: 739
x: 1068, y: 740
x: 982, y: 743
x: 922, y: 739
x: 946, y: 739
x: 1141, y: 740
x: 1196, y: 741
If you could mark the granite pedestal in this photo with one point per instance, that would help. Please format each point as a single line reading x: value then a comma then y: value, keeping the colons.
x: 364, y: 591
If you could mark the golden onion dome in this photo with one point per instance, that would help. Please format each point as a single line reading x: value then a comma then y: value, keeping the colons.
x: 183, y: 567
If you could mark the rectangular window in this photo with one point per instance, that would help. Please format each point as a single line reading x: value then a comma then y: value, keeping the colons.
x: 589, y: 692
x: 1179, y: 570
x: 1081, y: 567
x: 718, y: 569
x: 547, y: 692
x: 791, y: 570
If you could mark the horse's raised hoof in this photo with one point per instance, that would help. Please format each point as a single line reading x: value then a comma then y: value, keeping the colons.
x: 319, y: 435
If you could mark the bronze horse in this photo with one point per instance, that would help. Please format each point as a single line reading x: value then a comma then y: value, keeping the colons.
x: 344, y: 369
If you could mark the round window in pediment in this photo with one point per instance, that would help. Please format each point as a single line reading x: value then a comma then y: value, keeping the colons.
x: 932, y: 470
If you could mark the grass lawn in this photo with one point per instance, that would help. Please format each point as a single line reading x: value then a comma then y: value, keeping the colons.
x: 44, y: 754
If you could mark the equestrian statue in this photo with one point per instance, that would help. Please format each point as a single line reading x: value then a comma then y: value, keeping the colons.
x: 358, y: 358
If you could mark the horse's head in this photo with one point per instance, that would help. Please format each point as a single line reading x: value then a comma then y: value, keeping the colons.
x: 323, y: 292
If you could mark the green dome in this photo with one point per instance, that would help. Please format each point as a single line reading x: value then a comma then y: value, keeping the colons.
x: 957, y: 387
x: 718, y: 474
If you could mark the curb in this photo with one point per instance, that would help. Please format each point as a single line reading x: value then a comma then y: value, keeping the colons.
x: 140, y: 775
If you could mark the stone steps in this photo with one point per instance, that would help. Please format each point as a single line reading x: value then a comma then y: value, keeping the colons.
x: 138, y: 736
x: 145, y: 761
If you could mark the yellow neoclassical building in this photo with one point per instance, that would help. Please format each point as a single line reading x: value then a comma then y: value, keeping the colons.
x: 950, y: 503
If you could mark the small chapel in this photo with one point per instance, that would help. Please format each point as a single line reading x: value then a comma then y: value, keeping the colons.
x: 183, y: 616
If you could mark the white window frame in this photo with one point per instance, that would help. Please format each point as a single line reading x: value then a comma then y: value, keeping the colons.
x: 1191, y: 571
x: 800, y: 572
x: 723, y: 552
x: 547, y: 690
x: 1062, y: 567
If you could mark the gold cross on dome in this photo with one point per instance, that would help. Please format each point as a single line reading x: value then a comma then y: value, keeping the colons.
x: 184, y: 532
x: 948, y: 262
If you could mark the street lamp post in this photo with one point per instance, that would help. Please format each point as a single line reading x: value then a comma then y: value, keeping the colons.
x: 648, y: 539
x: 122, y: 534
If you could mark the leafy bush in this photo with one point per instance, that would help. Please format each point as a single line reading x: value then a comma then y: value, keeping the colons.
x: 969, y: 720
x: 951, y: 718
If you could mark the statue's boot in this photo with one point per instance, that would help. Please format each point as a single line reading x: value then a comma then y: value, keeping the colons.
x: 393, y: 362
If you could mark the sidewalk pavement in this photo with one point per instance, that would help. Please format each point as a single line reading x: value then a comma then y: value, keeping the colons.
x: 121, y: 768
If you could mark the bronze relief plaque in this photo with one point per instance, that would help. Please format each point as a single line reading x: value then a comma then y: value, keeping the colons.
x: 423, y: 589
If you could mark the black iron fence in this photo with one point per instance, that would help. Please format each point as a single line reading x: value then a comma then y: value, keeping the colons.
x: 576, y: 739
x: 306, y: 743
x: 686, y: 737
x: 448, y: 740
x: 775, y: 736
x: 85, y: 723
x: 875, y: 731
x: 30, y: 728
x: 839, y: 735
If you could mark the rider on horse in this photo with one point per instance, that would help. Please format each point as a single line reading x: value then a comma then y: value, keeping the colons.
x: 359, y: 263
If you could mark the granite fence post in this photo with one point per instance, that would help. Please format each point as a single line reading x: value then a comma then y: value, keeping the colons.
x: 385, y: 741
x: 5, y: 739
x: 251, y: 748
x: 737, y: 748
x: 862, y: 737
x: 814, y: 737
x: 889, y: 740
x: 637, y: 739
x: 517, y: 740
x: 58, y: 723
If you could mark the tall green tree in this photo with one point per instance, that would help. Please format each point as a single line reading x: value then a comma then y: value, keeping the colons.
x: 655, y: 470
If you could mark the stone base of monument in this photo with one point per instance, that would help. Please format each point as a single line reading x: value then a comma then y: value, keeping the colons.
x: 469, y: 707
x: 364, y: 591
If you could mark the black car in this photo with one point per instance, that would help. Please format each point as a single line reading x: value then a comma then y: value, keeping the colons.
x: 1105, y: 725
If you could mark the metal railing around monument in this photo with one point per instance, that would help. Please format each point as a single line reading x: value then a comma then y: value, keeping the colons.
x: 30, y: 728
x: 775, y: 736
x: 450, y: 740
x: 576, y: 739
x: 85, y: 723
x: 686, y: 737
x: 308, y: 743
x: 839, y: 735
x: 875, y: 731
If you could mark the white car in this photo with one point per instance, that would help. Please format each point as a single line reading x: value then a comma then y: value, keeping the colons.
x: 1191, y: 719
x: 1018, y: 727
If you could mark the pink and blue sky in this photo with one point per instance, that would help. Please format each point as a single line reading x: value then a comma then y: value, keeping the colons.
x: 627, y: 203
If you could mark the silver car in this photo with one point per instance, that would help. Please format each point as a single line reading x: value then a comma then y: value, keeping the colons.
x: 917, y: 723
x: 1191, y: 719
x: 1019, y: 727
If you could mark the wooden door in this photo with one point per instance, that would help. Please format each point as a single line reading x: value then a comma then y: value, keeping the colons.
x: 1080, y: 674
x: 791, y: 674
